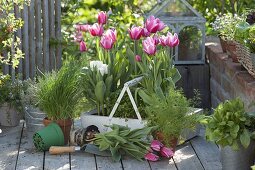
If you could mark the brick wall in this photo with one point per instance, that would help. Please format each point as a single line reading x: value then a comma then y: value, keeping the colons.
x: 227, y: 79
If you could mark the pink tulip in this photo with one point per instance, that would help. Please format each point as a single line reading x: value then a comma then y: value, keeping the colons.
x: 102, y: 18
x: 138, y: 58
x: 149, y: 46
x: 166, y: 152
x: 83, y: 47
x: 78, y: 36
x: 151, y: 157
x: 156, y: 145
x: 111, y: 33
x: 135, y: 32
x: 156, y: 39
x: 151, y: 24
x: 145, y: 33
x: 96, y: 30
x: 106, y: 42
x: 163, y: 40
x: 82, y: 27
x: 161, y: 25
x: 172, y: 40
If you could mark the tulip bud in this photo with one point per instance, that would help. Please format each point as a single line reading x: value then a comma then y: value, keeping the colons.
x: 102, y: 18
x: 138, y: 58
x: 156, y: 39
x: 156, y: 145
x: 111, y: 33
x: 149, y: 46
x: 166, y: 152
x: 96, y: 30
x: 106, y: 42
x: 83, y: 47
x: 172, y: 40
x: 163, y: 40
x: 145, y: 33
x: 151, y: 157
x: 135, y: 32
x: 151, y: 24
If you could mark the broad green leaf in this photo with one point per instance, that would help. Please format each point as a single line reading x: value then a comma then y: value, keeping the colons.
x: 100, y: 91
x: 245, y: 138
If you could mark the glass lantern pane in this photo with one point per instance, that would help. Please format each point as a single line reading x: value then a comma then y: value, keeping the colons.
x: 190, y: 47
x: 176, y: 8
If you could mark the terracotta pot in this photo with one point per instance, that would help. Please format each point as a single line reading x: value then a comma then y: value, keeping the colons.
x: 232, y: 51
x: 172, y: 141
x: 223, y: 44
x: 65, y: 126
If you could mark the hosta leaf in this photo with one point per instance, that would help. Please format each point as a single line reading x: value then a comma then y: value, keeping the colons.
x: 245, y: 138
x: 116, y: 156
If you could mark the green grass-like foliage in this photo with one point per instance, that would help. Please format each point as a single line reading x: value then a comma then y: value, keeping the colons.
x: 229, y: 125
x: 122, y: 140
x: 58, y: 93
x: 170, y: 114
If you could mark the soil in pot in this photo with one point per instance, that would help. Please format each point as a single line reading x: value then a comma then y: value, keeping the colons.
x: 232, y: 51
x: 65, y: 126
x: 172, y: 141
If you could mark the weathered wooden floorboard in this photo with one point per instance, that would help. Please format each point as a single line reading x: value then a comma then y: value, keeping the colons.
x: 83, y: 161
x: 9, y: 145
x: 132, y: 164
x: 186, y: 158
x: 164, y: 164
x: 106, y: 163
x: 28, y: 157
x: 56, y: 162
x: 208, y: 153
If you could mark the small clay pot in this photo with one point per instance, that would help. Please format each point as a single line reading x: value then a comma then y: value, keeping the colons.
x: 64, y: 124
x: 223, y: 44
x: 172, y: 141
x: 232, y: 51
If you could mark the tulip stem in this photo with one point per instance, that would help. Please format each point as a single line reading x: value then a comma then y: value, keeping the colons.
x: 135, y: 52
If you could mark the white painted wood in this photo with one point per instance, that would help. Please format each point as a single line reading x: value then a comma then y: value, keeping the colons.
x: 58, y: 32
x: 132, y: 164
x: 38, y: 35
x: 9, y: 144
x: 31, y: 30
x: 186, y: 158
x: 46, y: 35
x: 164, y: 164
x: 82, y: 161
x: 29, y: 158
x: 25, y: 42
x: 107, y: 163
x: 203, y: 149
x: 58, y: 162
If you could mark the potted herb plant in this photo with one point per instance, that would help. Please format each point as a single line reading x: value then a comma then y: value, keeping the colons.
x: 225, y: 25
x: 58, y: 95
x: 169, y: 113
x: 232, y: 128
x: 10, y: 101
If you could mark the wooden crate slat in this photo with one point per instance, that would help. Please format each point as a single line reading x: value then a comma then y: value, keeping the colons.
x: 38, y: 35
x: 46, y: 35
x: 81, y: 160
x: 106, y: 163
x: 163, y: 164
x: 56, y: 161
x: 131, y: 164
x: 58, y: 33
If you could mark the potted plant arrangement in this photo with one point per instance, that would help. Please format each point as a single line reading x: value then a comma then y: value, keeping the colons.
x: 225, y: 25
x: 109, y: 72
x: 58, y: 95
x: 169, y: 113
x: 10, y: 101
x: 245, y: 36
x: 232, y: 129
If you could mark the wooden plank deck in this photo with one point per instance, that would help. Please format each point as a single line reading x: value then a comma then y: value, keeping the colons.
x: 17, y: 152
